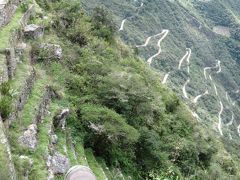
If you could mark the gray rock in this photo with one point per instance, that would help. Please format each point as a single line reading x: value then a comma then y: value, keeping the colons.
x: 6, y: 11
x: 99, y: 129
x: 54, y: 139
x: 59, y: 120
x: 52, y: 50
x: 33, y: 31
x: 29, y: 137
x: 20, y: 48
x: 59, y: 163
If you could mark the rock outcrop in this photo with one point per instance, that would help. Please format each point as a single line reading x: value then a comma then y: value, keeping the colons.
x: 33, y: 31
x: 7, y: 9
x: 59, y: 121
x: 29, y: 137
x: 58, y: 163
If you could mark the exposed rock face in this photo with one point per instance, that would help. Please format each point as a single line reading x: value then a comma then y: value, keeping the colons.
x: 54, y: 139
x: 59, y: 120
x: 29, y: 137
x: 222, y: 30
x: 58, y: 163
x: 33, y: 31
x: 7, y: 9
x: 52, y: 50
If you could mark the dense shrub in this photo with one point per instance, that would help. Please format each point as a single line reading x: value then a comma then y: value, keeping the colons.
x: 5, y: 106
x: 122, y: 111
x: 5, y: 89
x: 103, y: 24
x: 5, y: 100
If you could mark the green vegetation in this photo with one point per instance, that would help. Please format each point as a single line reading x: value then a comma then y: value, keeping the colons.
x: 6, y: 31
x: 121, y: 111
x: 93, y: 164
x: 123, y: 122
x: 4, y: 157
x: 5, y: 100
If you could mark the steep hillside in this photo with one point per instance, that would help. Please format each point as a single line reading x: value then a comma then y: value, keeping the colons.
x: 73, y: 93
x: 198, y: 57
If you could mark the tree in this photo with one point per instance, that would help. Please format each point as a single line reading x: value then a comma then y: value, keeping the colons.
x: 103, y: 24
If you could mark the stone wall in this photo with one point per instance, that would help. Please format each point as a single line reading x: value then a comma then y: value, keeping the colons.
x: 19, y: 103
x: 29, y: 136
x: 11, y: 62
x: 8, y: 55
x: 43, y: 106
x: 9, y: 169
x: 3, y: 68
x: 7, y: 9
x: 17, y: 35
x: 27, y: 15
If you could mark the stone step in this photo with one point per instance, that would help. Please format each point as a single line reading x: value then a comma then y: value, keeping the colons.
x: 44, y: 147
x: 21, y: 88
x: 10, y: 39
x: 32, y: 117
x: 38, y: 101
x: 39, y: 137
x: 32, y: 110
x: 5, y: 34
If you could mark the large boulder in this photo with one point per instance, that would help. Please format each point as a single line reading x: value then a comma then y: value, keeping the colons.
x: 58, y: 163
x: 59, y: 120
x: 29, y: 137
x: 33, y: 31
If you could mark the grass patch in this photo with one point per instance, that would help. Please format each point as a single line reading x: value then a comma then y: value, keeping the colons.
x: 5, y: 32
x: 23, y: 70
x: 93, y: 164
x: 79, y: 148
x: 30, y: 108
x: 22, y: 73
x: 41, y: 153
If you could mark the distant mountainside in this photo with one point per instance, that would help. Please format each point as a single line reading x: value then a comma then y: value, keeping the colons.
x: 194, y: 45
x: 203, y: 36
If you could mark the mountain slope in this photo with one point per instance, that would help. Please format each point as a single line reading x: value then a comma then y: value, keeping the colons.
x: 210, y: 29
x: 214, y: 58
x: 78, y: 95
